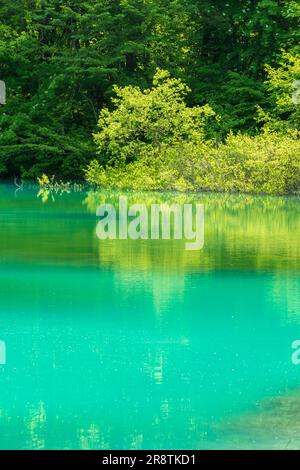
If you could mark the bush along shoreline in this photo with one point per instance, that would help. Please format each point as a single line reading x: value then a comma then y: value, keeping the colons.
x: 151, y: 140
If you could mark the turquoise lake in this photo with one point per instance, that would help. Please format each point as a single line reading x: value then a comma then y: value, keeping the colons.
x: 124, y: 344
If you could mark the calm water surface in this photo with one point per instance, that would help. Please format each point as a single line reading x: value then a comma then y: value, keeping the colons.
x: 142, y: 344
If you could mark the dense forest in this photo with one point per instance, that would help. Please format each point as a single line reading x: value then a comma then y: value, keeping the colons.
x: 222, y: 75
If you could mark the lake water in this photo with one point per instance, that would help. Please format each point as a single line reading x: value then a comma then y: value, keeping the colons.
x: 126, y: 344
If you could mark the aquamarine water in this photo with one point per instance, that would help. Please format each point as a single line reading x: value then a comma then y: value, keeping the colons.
x: 141, y: 344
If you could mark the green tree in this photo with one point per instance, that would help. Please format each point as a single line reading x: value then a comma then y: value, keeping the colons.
x: 144, y: 121
x: 284, y: 89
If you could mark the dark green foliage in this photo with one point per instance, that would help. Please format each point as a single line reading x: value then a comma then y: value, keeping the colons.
x: 60, y: 60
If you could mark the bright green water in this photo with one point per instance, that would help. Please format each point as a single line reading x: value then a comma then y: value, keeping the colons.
x: 141, y: 344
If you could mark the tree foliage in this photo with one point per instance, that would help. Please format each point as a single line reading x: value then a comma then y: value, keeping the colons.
x: 153, y: 141
x: 144, y: 122
x: 61, y: 59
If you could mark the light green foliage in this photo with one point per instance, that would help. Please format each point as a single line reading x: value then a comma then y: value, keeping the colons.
x: 144, y: 123
x: 268, y: 163
x: 175, y: 168
x: 151, y: 140
x: 285, y: 94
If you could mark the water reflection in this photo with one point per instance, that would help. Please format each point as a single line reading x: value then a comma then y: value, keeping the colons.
x: 142, y: 344
x: 241, y: 232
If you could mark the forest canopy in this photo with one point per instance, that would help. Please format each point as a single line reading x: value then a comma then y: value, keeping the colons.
x: 65, y: 63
